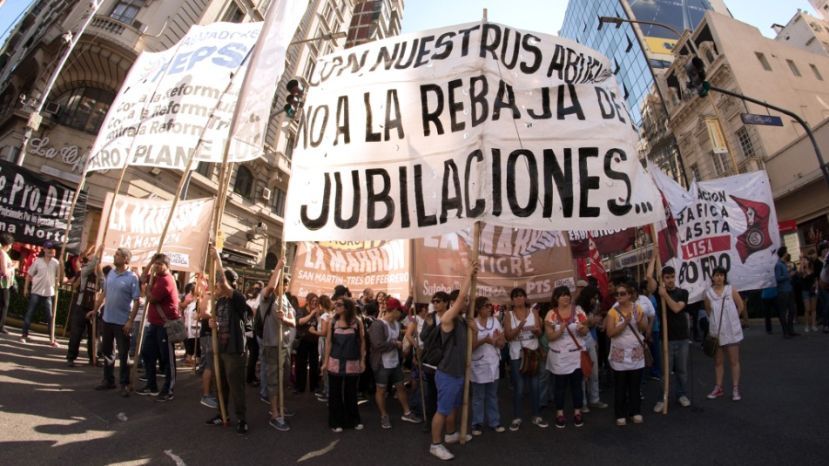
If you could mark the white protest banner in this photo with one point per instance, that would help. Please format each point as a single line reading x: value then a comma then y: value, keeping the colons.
x: 728, y: 222
x: 267, y: 62
x: 379, y: 265
x: 421, y: 134
x: 136, y: 224
x: 537, y: 261
x: 170, y: 97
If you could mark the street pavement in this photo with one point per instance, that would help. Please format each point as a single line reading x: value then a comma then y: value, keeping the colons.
x: 49, y: 413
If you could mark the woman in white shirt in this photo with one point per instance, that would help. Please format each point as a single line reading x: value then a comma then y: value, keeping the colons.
x: 522, y: 327
x: 486, y: 358
x: 724, y: 305
x: 566, y: 326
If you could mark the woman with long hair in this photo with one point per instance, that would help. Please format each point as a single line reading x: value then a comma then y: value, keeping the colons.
x: 307, y: 353
x: 345, y: 355
x: 486, y: 346
x: 724, y: 305
x: 566, y: 326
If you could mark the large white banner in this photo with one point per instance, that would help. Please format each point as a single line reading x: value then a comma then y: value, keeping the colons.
x: 418, y: 135
x: 728, y: 222
x: 173, y: 103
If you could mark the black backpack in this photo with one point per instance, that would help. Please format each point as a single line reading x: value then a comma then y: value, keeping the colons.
x: 433, y: 344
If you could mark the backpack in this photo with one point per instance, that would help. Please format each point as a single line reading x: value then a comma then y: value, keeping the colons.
x: 433, y: 344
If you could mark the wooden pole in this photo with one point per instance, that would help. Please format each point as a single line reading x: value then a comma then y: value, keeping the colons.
x: 473, y: 294
x: 666, y: 373
x: 68, y: 314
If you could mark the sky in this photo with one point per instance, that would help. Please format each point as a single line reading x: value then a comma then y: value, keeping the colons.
x: 534, y: 15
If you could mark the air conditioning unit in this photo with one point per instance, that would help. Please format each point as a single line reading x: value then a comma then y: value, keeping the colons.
x: 52, y: 108
x: 266, y: 194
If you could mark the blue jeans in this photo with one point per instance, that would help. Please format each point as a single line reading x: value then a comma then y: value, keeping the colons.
x: 518, y: 382
x: 158, y: 348
x: 485, y: 402
x: 36, y: 300
x: 678, y: 364
x: 545, y: 387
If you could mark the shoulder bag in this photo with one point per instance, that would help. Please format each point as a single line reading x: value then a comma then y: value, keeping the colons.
x: 711, y: 344
x: 645, y: 348
x: 175, y: 328
x: 586, y: 362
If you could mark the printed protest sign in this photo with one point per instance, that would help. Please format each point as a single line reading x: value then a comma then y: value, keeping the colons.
x: 423, y: 133
x: 379, y: 265
x: 537, y: 261
x: 34, y: 210
x: 727, y: 222
x: 173, y: 103
x: 137, y: 224
x: 606, y: 241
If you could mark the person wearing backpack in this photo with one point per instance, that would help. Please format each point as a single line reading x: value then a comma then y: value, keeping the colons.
x: 449, y: 376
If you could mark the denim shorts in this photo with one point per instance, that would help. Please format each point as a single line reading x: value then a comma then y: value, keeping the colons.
x: 450, y: 392
x: 388, y: 377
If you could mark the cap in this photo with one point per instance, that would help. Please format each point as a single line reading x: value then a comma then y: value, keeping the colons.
x: 393, y: 304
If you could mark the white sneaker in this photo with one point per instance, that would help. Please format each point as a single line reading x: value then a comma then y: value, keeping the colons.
x: 621, y: 422
x: 658, y: 407
x: 638, y: 419
x: 684, y: 401
x: 455, y: 438
x: 441, y: 452
x: 807, y: 329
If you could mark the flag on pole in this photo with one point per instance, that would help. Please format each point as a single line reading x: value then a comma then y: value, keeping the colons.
x: 596, y: 268
x: 267, y: 62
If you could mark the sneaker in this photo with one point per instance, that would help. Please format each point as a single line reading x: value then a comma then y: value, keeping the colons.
x: 336, y: 430
x: 621, y: 422
x: 54, y: 344
x: 105, y: 386
x: 455, y: 437
x: 142, y: 378
x: 499, y: 428
x: 585, y: 409
x: 215, y: 420
x: 577, y: 420
x: 70, y: 363
x: 162, y: 397
x: 561, y: 422
x: 279, y: 424
x: 265, y: 400
x: 241, y: 427
x: 147, y: 391
x: 735, y: 394
x: 477, y: 430
x: 411, y: 417
x: 540, y: 422
x: 658, y: 407
x: 24, y: 340
x: 684, y: 401
x: 385, y: 422
x: 357, y: 427
x: 807, y: 329
x: 638, y: 419
x: 515, y: 425
x: 209, y: 401
x: 715, y: 393
x: 441, y: 452
x: 598, y: 405
x: 322, y: 399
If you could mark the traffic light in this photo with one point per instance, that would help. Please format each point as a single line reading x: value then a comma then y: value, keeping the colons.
x: 695, y: 70
x: 293, y: 100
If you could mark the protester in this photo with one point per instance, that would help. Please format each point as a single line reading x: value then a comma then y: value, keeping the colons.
x: 522, y: 328
x: 768, y: 297
x: 7, y: 277
x: 785, y: 293
x: 204, y: 298
x: 488, y: 340
x: 822, y: 271
x: 625, y: 325
x: 808, y: 281
x: 675, y: 299
x: 230, y: 322
x: 386, y: 343
x: 187, y: 308
x: 452, y: 366
x: 566, y: 326
x: 251, y: 344
x: 654, y: 333
x: 161, y: 307
x: 344, y: 361
x: 588, y: 301
x: 724, y: 305
x: 42, y: 276
x: 307, y: 353
x: 419, y: 395
x: 326, y: 313
x: 120, y: 296
x: 86, y: 286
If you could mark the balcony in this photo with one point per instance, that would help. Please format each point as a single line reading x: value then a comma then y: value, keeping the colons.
x: 115, y: 31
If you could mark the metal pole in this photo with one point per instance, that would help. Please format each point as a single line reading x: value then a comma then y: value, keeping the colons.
x: 31, y: 126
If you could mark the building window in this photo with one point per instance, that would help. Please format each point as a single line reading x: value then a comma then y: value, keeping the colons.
x: 233, y: 14
x: 763, y: 61
x: 125, y: 11
x: 278, y: 202
x: 84, y: 108
x: 695, y: 172
x: 709, y: 55
x: 204, y: 169
x: 816, y: 72
x: 745, y: 142
x: 793, y: 67
x: 244, y: 183
x: 810, y: 42
x: 720, y: 163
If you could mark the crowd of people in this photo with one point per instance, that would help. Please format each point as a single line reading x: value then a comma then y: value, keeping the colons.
x: 348, y: 349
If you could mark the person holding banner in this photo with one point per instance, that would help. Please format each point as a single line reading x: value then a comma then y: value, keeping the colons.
x: 42, y: 276
x: 449, y: 376
x: 522, y: 327
x: 566, y: 327
x: 7, y: 279
x: 724, y: 305
x: 489, y: 339
x: 163, y: 298
x: 86, y: 286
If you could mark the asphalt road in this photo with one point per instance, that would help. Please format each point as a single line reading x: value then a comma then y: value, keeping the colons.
x: 50, y: 414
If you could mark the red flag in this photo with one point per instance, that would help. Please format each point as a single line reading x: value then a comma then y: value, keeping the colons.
x: 595, y: 266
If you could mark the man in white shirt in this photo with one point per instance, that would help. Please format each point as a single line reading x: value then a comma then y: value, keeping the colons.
x: 42, y: 276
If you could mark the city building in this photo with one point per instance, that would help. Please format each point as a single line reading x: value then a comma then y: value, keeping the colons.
x: 373, y: 20
x: 76, y: 106
x: 805, y: 31
x: 714, y: 139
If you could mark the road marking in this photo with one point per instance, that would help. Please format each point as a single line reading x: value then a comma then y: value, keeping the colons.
x: 317, y: 453
x: 176, y: 458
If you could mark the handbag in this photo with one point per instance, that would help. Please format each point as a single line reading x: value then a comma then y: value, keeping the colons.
x: 645, y: 348
x: 174, y: 328
x: 586, y: 361
x: 712, y: 344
